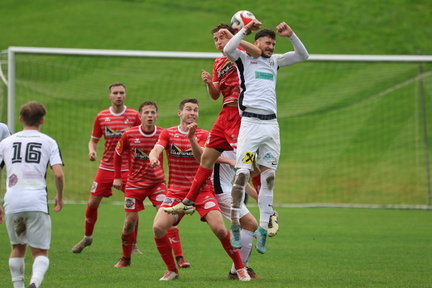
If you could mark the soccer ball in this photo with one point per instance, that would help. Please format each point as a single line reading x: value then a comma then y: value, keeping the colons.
x: 241, y: 18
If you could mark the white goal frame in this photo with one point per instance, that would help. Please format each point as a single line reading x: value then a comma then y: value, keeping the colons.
x: 11, y: 51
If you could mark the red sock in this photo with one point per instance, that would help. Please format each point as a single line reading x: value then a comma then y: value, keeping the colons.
x: 91, y: 215
x: 174, y: 238
x: 201, y: 177
x: 232, y: 252
x: 256, y: 181
x: 136, y: 232
x: 164, y: 247
x: 127, y: 244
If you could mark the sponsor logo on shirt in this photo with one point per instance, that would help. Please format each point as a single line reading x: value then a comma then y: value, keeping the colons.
x: 264, y: 76
x: 109, y: 132
x: 227, y: 67
x: 138, y: 154
x: 177, y: 152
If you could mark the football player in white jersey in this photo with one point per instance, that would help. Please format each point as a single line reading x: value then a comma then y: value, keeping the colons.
x: 26, y: 155
x: 258, y: 139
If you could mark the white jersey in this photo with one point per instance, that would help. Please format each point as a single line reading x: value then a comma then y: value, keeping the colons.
x: 4, y: 132
x: 258, y: 75
x: 27, y: 155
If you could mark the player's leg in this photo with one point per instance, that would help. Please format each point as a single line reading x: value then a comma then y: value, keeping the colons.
x: 128, y: 238
x: 248, y: 225
x: 17, y: 264
x: 248, y: 142
x: 215, y: 221
x: 101, y: 188
x: 161, y: 224
x: 174, y: 237
x: 40, y: 266
x: 91, y: 216
x: 135, y: 249
x: 16, y: 229
x: 268, y: 159
x: 39, y: 241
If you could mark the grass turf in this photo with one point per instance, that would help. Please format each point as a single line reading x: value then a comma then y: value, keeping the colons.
x: 316, y: 247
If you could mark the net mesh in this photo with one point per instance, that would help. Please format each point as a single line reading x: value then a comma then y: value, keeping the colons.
x: 351, y: 132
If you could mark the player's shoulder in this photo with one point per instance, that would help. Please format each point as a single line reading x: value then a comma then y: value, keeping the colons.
x: 132, y: 130
x: 201, y: 131
x: 104, y: 112
x: 131, y: 110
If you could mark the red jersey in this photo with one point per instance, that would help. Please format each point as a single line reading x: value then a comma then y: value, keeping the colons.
x: 136, y: 145
x: 181, y: 162
x: 111, y: 126
x: 225, y: 73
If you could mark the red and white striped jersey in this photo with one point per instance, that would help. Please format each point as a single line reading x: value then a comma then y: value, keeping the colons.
x: 181, y: 162
x: 111, y: 126
x: 136, y: 145
x: 225, y: 73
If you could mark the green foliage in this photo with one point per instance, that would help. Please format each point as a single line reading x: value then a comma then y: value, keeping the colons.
x: 319, y: 247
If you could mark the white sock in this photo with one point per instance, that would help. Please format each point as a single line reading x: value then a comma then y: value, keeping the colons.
x: 40, y: 266
x: 265, y: 198
x: 17, y: 268
x: 245, y: 251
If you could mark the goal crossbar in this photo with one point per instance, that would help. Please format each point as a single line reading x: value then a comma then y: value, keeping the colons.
x: 12, y: 50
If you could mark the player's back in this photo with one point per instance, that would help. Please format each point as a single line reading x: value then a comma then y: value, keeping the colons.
x: 27, y: 155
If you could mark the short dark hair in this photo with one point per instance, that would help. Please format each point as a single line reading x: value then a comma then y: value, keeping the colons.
x: 115, y: 85
x: 187, y: 100
x: 222, y: 26
x: 265, y: 33
x: 32, y: 113
x: 148, y: 103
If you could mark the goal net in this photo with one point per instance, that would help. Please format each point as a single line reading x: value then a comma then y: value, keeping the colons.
x: 355, y: 130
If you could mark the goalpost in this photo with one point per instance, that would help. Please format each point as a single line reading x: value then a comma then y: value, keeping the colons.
x: 354, y: 128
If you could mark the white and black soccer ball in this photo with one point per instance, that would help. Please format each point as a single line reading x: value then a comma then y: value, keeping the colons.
x: 240, y: 19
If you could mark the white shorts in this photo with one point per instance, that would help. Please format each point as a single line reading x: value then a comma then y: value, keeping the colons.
x: 224, y: 201
x: 258, y: 140
x: 31, y: 228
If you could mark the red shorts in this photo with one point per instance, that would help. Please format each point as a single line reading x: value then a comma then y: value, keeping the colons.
x: 205, y: 202
x: 134, y: 198
x: 224, y: 133
x: 104, y: 181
